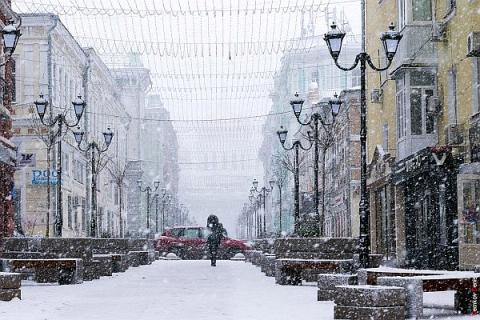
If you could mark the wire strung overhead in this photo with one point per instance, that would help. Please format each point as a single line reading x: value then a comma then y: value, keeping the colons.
x: 213, y: 63
x: 145, y: 8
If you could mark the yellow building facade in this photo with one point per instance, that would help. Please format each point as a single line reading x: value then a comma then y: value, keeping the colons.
x: 424, y: 171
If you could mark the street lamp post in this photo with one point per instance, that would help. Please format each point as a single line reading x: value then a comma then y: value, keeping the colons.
x: 262, y: 195
x: 148, y: 190
x: 316, y: 117
x: 164, y: 191
x: 59, y: 120
x: 296, y: 145
x: 94, y: 146
x: 165, y: 200
x: 390, y: 41
x: 253, y: 202
x: 272, y: 184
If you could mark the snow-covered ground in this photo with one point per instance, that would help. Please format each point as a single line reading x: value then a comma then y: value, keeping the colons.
x: 182, y: 290
x: 167, y: 290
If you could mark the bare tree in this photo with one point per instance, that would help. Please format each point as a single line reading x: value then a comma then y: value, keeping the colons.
x: 285, y: 162
x: 326, y: 139
x: 118, y: 171
x: 48, y: 137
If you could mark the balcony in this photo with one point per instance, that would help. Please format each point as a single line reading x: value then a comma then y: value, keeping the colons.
x: 415, y: 48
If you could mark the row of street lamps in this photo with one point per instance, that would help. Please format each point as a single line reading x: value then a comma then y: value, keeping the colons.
x: 59, y: 122
x: 334, y: 39
x: 166, y: 200
x: 390, y: 41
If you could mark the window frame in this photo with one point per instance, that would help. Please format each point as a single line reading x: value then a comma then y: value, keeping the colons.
x: 404, y: 109
x: 475, y: 85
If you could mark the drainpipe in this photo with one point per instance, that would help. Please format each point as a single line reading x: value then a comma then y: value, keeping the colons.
x: 88, y: 204
x: 49, y: 61
x: 50, y: 147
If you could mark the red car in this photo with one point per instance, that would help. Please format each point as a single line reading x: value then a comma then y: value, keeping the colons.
x: 191, y: 243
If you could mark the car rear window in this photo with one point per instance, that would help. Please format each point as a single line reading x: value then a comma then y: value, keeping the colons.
x: 191, y: 233
x: 177, y: 232
x: 205, y: 233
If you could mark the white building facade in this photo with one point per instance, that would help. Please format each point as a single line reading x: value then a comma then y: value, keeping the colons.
x: 50, y: 61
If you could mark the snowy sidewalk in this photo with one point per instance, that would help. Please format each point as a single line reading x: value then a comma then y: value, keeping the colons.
x: 184, y: 290
x: 171, y: 290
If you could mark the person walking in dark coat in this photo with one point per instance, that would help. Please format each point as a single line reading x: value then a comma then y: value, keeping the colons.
x: 214, y: 238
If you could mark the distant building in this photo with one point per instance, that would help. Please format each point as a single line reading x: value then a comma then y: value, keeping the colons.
x: 106, y: 111
x: 161, y: 152
x: 133, y: 82
x: 313, y: 75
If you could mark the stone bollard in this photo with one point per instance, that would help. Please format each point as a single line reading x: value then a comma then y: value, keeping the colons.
x: 10, y: 284
x: 369, y: 302
x: 328, y: 281
x: 413, y: 293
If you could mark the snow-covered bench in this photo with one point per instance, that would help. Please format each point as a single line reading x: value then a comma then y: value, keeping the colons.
x: 416, y: 282
x: 300, y: 259
x: 415, y: 286
x: 293, y: 271
x: 63, y: 271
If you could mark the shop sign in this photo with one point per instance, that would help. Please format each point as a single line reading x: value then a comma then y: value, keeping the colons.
x: 40, y: 177
x: 26, y: 160
x: 470, y: 216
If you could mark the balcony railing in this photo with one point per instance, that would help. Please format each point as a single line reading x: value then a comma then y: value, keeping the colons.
x: 416, y: 47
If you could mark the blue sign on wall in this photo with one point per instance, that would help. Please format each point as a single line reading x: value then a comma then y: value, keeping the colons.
x: 39, y: 177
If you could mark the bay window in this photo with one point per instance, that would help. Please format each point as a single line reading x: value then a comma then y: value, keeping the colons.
x: 415, y: 126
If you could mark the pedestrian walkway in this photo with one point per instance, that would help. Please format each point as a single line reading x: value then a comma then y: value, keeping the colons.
x: 172, y: 290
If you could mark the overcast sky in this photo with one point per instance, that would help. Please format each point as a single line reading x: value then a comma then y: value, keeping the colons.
x: 209, y: 60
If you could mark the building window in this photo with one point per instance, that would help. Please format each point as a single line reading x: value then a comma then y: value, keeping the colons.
x: 14, y: 79
x: 416, y: 111
x: 402, y: 14
x: 70, y: 213
x: 84, y: 215
x: 422, y: 10
x: 66, y: 164
x: 418, y: 86
x: 76, y: 205
x: 470, y: 211
x: 315, y: 77
x: 401, y: 108
x: 452, y: 96
x: 476, y: 85
x: 301, y: 81
x: 385, y: 137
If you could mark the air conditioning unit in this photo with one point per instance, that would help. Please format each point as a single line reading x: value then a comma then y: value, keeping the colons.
x: 454, y: 134
x: 473, y: 44
x: 433, y: 105
x: 376, y: 96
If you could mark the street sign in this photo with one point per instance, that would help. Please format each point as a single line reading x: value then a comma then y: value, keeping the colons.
x: 27, y: 160
x: 39, y: 177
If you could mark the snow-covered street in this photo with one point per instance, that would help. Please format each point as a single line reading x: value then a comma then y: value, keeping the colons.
x: 183, y: 290
x: 171, y: 290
